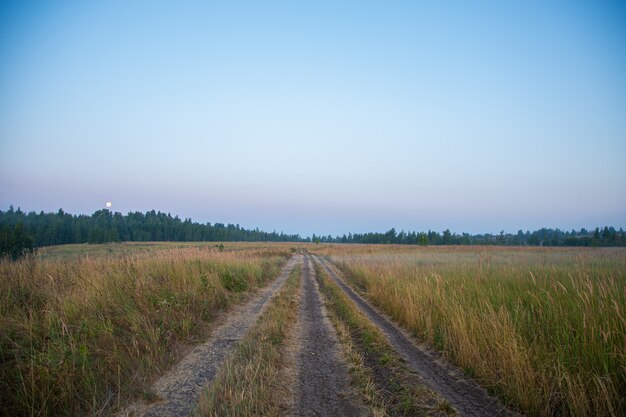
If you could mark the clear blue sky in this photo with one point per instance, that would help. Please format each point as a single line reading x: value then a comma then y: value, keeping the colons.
x: 323, y: 117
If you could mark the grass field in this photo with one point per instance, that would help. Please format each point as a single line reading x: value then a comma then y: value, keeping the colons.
x: 543, y: 328
x: 85, y: 327
x: 109, y: 250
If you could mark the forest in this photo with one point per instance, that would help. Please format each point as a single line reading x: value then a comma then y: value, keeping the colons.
x: 20, y: 231
x: 605, y: 236
x: 104, y: 226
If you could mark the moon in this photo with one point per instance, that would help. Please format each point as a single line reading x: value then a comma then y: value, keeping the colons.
x: 108, y: 204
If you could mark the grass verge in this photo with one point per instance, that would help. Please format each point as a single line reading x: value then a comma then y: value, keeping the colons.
x: 387, y: 386
x: 245, y: 384
x: 541, y: 328
x: 81, y: 336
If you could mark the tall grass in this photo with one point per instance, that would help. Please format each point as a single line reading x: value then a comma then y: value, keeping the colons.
x: 79, y: 336
x: 545, y: 329
x: 246, y: 385
x: 386, y: 384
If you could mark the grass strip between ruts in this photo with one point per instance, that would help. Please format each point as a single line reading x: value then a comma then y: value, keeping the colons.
x: 246, y: 383
x: 387, y: 386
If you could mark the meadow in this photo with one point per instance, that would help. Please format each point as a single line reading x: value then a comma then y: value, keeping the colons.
x: 83, y: 328
x: 86, y: 328
x: 542, y: 328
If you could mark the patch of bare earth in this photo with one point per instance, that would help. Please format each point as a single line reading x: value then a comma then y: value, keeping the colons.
x: 177, y: 392
x: 322, y: 387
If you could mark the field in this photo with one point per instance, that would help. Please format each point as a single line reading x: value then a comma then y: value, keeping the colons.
x: 80, y: 334
x: 544, y: 328
x: 88, y: 329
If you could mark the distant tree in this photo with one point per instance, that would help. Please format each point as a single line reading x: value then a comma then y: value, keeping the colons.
x: 14, y: 243
x: 390, y: 236
x: 595, y: 240
x: 500, y: 238
x: 434, y: 238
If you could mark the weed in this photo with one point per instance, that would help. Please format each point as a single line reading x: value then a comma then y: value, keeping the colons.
x: 234, y: 281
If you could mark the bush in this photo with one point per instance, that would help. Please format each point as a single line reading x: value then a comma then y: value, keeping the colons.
x: 234, y: 281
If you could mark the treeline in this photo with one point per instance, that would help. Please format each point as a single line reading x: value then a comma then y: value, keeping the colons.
x: 606, y: 236
x: 103, y: 226
x: 21, y: 232
x: 14, y: 242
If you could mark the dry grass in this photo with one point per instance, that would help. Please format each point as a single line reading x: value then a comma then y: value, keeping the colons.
x: 386, y: 385
x: 79, y: 335
x: 111, y: 250
x: 543, y: 328
x: 246, y: 383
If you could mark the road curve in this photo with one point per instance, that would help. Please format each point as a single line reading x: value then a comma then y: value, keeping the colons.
x: 463, y: 393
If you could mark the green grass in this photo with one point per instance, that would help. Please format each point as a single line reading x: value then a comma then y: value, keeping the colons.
x: 246, y: 383
x: 81, y: 335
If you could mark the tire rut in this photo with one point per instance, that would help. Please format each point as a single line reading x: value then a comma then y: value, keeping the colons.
x: 323, y: 388
x: 463, y: 393
x: 179, y: 389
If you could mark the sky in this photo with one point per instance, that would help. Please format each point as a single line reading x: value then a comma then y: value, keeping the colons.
x: 318, y: 117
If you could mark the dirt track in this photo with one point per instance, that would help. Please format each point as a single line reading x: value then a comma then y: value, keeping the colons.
x: 178, y: 390
x: 321, y: 374
x: 323, y: 388
x: 465, y: 395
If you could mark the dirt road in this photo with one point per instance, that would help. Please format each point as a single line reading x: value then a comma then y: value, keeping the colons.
x: 323, y: 388
x: 465, y: 395
x: 178, y: 390
x: 321, y: 382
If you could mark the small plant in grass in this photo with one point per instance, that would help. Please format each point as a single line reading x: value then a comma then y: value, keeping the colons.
x: 234, y: 281
x: 150, y: 396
